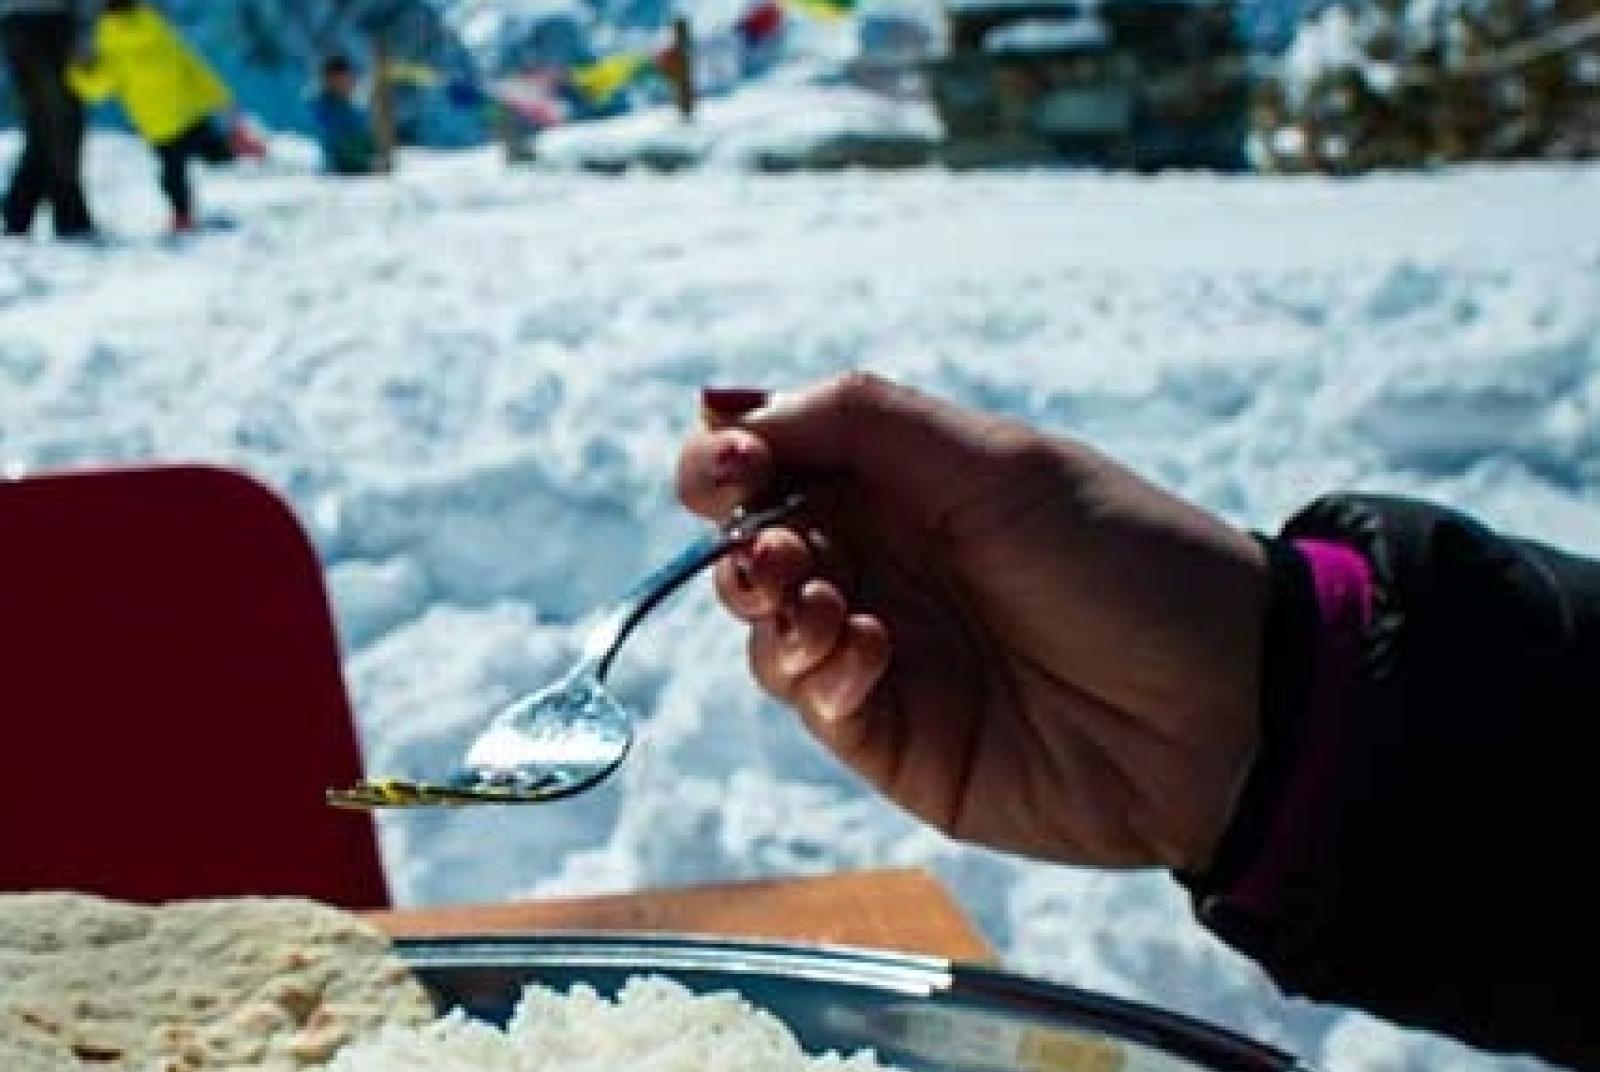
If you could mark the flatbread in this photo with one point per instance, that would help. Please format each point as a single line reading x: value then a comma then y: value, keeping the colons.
x: 203, y: 986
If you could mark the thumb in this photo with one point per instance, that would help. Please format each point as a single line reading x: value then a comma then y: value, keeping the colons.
x: 886, y: 437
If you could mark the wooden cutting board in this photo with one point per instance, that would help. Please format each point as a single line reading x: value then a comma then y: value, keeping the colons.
x: 904, y: 910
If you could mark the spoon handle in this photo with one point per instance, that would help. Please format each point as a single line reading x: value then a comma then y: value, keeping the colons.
x: 608, y: 635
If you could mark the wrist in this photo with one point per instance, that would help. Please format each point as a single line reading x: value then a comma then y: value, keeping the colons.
x: 1319, y: 611
x: 1237, y: 732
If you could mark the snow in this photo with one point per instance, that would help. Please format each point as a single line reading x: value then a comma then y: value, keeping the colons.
x: 1326, y: 42
x: 470, y: 382
x: 1045, y: 35
x: 770, y: 120
x: 1351, y: 38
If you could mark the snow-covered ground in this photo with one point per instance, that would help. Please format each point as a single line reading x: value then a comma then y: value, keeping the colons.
x: 471, y: 381
x: 775, y: 120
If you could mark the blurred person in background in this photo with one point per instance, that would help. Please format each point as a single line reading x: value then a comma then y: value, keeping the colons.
x: 39, y: 39
x: 171, y: 95
x: 1364, y: 745
x: 344, y: 129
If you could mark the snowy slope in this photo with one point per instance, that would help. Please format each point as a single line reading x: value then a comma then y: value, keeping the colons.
x: 470, y: 383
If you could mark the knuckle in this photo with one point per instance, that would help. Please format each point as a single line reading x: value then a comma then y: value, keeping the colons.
x: 781, y: 548
x: 861, y: 392
x: 1025, y: 457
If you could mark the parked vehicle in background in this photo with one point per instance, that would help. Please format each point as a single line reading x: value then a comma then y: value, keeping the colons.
x: 1145, y: 84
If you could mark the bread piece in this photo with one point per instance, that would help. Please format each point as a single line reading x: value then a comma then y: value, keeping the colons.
x: 262, y: 984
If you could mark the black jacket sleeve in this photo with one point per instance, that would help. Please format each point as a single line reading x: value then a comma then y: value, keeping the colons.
x: 1450, y: 879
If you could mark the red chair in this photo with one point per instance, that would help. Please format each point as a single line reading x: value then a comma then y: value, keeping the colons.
x: 171, y: 704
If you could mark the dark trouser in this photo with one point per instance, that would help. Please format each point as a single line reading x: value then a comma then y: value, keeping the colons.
x: 203, y: 141
x: 37, y: 48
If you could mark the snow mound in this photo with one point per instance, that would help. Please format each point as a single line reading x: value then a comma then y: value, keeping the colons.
x: 766, y: 125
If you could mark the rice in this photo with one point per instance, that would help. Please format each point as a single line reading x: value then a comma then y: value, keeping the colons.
x: 654, y: 1025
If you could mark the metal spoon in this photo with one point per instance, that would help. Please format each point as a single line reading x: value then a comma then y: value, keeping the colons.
x: 568, y: 736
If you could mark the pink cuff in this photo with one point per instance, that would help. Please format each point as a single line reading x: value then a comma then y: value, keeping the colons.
x: 1342, y: 580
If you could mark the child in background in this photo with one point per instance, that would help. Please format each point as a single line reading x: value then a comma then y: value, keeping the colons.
x: 344, y: 130
x: 171, y: 95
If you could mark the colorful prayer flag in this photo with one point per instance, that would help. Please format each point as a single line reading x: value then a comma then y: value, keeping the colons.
x: 824, y: 9
x: 405, y: 73
x: 603, y: 79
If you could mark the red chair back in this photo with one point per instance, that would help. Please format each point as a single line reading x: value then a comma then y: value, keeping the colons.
x: 171, y: 702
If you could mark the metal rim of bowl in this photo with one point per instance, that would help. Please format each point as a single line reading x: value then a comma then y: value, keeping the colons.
x: 909, y: 975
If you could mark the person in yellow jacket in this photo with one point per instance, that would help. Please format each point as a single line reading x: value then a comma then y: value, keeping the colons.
x: 171, y: 95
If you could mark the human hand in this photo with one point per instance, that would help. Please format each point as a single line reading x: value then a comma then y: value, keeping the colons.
x: 1016, y: 639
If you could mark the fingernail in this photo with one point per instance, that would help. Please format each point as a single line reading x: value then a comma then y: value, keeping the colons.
x: 729, y: 464
x: 722, y: 405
